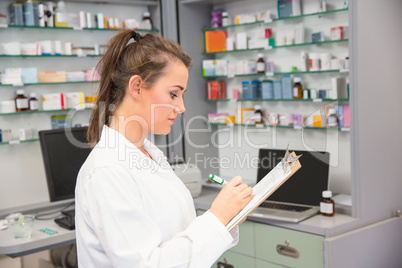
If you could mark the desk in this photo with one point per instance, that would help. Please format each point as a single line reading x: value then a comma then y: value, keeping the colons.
x: 39, y: 241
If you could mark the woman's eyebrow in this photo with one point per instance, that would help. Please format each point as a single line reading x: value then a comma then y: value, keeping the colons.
x: 181, y: 88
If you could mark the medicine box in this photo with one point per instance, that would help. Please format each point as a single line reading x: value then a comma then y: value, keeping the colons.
x: 241, y: 40
x: 52, y: 77
x: 337, y: 33
x: 215, y: 41
x: 75, y: 100
x: 214, y: 67
x: 60, y: 121
x: 317, y: 37
x: 75, y: 76
x: 267, y: 89
x: 277, y: 90
x: 5, y: 135
x: 339, y: 113
x: 247, y: 115
x: 346, y: 116
x: 53, y: 101
x: 29, y: 75
x: 287, y: 87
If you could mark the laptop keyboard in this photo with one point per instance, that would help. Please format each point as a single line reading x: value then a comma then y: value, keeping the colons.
x: 284, y: 207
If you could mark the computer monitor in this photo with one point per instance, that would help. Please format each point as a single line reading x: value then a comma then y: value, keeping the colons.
x: 306, y: 185
x: 64, y: 151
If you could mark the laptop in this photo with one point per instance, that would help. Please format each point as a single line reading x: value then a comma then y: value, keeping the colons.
x: 299, y: 197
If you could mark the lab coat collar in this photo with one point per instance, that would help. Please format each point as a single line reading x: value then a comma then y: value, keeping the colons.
x: 111, y: 138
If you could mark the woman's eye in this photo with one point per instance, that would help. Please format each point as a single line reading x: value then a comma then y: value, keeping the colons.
x: 173, y: 95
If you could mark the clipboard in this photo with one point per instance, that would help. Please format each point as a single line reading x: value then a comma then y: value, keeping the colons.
x: 268, y: 185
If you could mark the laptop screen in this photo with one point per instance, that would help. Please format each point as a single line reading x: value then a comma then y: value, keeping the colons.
x: 306, y: 185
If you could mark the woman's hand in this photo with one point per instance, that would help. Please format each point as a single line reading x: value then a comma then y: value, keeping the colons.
x: 232, y: 198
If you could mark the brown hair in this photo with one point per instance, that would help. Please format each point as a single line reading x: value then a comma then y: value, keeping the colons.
x: 147, y: 57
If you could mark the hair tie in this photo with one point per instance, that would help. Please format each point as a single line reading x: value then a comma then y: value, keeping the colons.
x: 137, y: 36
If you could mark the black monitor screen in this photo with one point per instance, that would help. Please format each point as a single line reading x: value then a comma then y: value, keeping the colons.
x: 306, y: 185
x: 64, y: 151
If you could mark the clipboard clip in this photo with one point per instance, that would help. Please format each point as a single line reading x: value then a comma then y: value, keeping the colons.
x: 288, y: 160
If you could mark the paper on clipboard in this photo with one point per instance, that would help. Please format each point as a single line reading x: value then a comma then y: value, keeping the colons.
x: 268, y: 185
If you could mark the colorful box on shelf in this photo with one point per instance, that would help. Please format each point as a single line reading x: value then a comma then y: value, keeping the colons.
x: 53, y: 101
x: 60, y: 121
x: 52, y: 77
x: 289, y: 8
x: 92, y: 75
x: 337, y: 33
x: 261, y: 43
x: 215, y: 41
x: 251, y: 89
x: 75, y: 100
x: 267, y: 89
x: 10, y: 48
x: 31, y: 48
x: 5, y: 135
x: 216, y: 90
x: 17, y: 76
x: 27, y: 134
x: 214, y: 67
x: 246, y: 67
x: 75, y: 76
x: 246, y: 115
x: 285, y: 119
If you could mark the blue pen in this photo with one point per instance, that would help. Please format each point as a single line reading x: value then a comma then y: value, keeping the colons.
x: 217, y: 179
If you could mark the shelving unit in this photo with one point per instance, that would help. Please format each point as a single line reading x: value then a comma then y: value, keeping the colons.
x: 44, y: 111
x: 13, y: 142
x: 23, y: 164
x: 279, y: 100
x: 274, y: 20
x: 276, y: 47
x: 73, y: 28
x: 49, y: 84
x: 343, y: 129
x: 278, y: 73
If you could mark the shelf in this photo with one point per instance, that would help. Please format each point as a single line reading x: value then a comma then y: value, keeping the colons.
x: 276, y: 47
x: 44, y: 111
x: 49, y: 56
x: 73, y: 28
x: 278, y: 100
x: 17, y: 141
x: 277, y: 73
x: 42, y: 84
x: 274, y: 20
x: 343, y: 129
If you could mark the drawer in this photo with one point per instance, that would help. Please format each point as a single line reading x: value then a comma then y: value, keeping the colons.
x: 297, y: 249
x: 265, y: 264
x: 236, y: 260
x: 246, y: 245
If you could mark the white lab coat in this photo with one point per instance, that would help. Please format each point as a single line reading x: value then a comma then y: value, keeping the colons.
x: 133, y: 211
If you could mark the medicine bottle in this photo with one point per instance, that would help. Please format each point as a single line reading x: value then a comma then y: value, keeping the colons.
x: 327, y: 205
x: 146, y: 22
x: 297, y: 88
x: 61, y: 17
x: 260, y: 63
x: 33, y: 102
x: 332, y: 119
x: 258, y: 116
x: 225, y: 18
x: 21, y: 102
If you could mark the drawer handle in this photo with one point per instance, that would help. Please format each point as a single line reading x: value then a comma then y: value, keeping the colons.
x: 287, y: 251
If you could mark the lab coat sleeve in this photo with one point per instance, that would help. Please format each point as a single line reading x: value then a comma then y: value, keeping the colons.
x: 130, y: 238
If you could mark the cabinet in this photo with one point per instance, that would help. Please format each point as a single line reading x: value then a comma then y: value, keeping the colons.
x: 239, y: 143
x: 22, y: 165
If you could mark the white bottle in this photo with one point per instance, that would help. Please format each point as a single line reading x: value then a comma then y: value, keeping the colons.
x: 61, y: 15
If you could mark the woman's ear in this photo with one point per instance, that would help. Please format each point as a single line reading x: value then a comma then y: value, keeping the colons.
x: 134, y: 86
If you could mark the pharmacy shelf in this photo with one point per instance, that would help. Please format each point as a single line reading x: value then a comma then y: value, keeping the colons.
x: 49, y: 56
x: 44, y: 111
x: 279, y: 100
x: 42, y: 84
x: 276, y: 73
x: 343, y: 129
x: 71, y: 28
x: 17, y: 142
x: 276, y: 47
x: 274, y: 20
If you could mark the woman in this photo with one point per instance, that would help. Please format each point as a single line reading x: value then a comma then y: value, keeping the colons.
x: 131, y: 209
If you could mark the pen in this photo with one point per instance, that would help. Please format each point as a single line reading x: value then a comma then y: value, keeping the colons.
x: 217, y: 179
